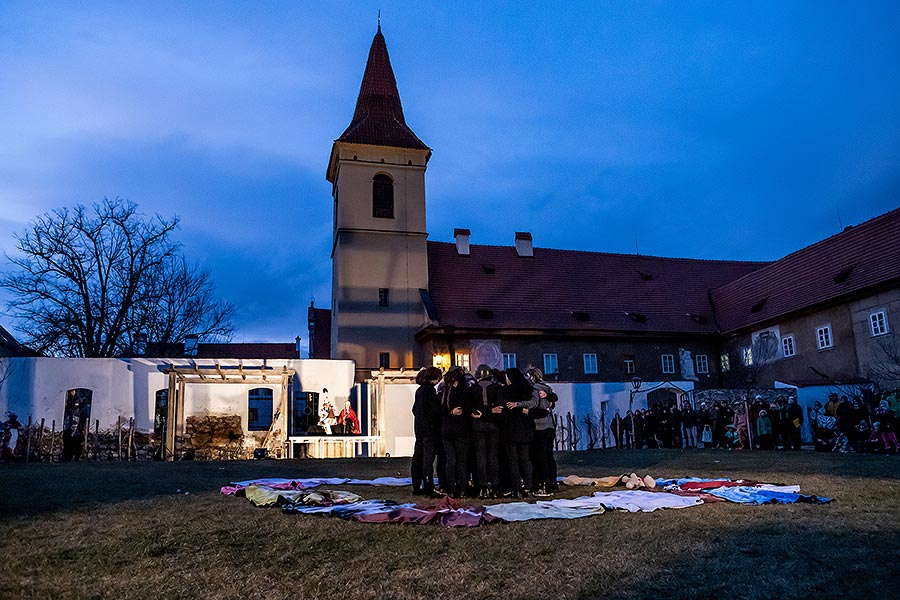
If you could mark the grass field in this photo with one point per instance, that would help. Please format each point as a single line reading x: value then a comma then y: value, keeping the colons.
x: 113, y: 530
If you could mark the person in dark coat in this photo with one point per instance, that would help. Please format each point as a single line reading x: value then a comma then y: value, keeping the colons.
x: 794, y: 422
x: 73, y: 443
x: 688, y: 425
x: 487, y: 411
x: 542, y: 459
x: 518, y: 429
x: 427, y: 424
x: 617, y: 427
x: 456, y: 431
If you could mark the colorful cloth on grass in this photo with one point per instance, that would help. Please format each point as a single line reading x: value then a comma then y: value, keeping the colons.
x: 294, y: 497
x: 261, y: 495
x: 280, y: 483
x: 766, y: 494
x: 447, y: 513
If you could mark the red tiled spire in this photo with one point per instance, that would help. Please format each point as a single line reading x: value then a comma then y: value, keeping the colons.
x: 378, y: 119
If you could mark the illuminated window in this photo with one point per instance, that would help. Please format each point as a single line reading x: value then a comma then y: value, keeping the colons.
x: 747, y: 356
x: 726, y: 363
x: 629, y: 365
x: 509, y: 361
x: 462, y: 360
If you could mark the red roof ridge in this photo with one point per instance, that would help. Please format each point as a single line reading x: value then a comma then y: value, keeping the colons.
x: 648, y: 256
x: 775, y: 264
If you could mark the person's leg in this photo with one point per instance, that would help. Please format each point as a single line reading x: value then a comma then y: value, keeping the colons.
x: 428, y: 465
x: 479, y: 442
x: 525, y: 466
x: 539, y: 469
x: 512, y: 460
x: 450, y: 459
x: 492, y: 459
x: 417, y: 465
x: 462, y: 464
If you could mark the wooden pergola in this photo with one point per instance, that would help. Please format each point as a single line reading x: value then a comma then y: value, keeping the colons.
x: 182, y: 375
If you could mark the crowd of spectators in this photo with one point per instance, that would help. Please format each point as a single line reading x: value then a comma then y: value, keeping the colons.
x: 842, y: 425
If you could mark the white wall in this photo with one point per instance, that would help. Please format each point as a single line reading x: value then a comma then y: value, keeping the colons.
x: 127, y: 387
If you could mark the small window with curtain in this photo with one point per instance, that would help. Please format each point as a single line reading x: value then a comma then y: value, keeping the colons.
x: 590, y: 364
x: 509, y: 361
x: 382, y: 197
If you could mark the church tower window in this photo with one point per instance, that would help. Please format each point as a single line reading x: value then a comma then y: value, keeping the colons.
x: 382, y: 197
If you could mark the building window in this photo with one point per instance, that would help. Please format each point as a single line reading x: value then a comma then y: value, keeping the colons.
x: 878, y: 322
x: 590, y: 364
x: 787, y: 346
x: 462, y: 360
x: 702, y: 364
x: 725, y: 361
x: 823, y: 337
x: 509, y: 361
x: 382, y: 197
x: 384, y: 298
x: 629, y: 365
x: 551, y: 363
x: 259, y: 409
x: 668, y: 363
x: 384, y: 360
x: 747, y: 356
x: 160, y: 412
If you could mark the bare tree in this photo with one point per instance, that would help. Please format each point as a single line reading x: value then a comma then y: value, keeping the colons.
x: 748, y: 363
x: 100, y: 281
x: 885, y: 370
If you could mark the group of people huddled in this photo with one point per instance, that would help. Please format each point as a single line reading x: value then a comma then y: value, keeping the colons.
x: 489, y: 435
x: 845, y: 425
x: 760, y: 425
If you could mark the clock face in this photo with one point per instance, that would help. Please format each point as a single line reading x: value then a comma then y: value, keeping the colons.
x: 486, y: 352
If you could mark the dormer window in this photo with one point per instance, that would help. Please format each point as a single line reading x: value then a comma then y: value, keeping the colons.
x: 382, y: 197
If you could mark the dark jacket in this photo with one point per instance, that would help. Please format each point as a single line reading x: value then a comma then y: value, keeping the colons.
x: 456, y: 425
x: 518, y: 427
x: 483, y: 397
x: 427, y: 412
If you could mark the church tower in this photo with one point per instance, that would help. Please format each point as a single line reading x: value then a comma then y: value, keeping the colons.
x: 379, y: 258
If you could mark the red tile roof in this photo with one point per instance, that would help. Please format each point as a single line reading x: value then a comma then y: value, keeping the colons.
x: 858, y: 258
x: 574, y: 290
x: 378, y: 119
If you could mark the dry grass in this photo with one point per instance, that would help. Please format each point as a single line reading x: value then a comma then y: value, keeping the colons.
x: 122, y: 531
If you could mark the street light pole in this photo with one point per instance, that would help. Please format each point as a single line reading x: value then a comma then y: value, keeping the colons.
x: 635, y: 386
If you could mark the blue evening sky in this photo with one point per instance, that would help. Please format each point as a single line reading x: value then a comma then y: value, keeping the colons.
x: 733, y: 130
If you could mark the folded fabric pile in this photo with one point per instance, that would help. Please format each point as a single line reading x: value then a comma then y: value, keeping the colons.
x: 630, y: 480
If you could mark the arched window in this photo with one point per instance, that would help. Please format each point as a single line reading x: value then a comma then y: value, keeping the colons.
x: 382, y: 197
x: 78, y: 408
x: 259, y: 409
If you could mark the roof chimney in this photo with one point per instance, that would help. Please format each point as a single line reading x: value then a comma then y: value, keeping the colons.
x: 523, y: 244
x: 462, y: 241
x: 191, y: 343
